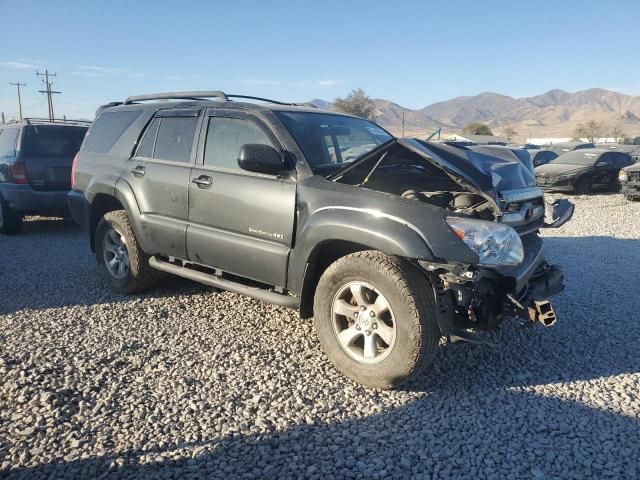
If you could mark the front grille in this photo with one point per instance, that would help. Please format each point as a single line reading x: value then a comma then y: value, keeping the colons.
x: 634, y: 176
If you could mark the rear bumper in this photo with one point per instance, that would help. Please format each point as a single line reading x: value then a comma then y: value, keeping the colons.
x: 25, y: 200
x: 79, y: 208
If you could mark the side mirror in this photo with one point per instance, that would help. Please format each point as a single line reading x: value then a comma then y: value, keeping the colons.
x: 259, y: 158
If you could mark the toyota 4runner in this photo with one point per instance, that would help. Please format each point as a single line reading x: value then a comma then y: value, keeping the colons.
x: 389, y: 243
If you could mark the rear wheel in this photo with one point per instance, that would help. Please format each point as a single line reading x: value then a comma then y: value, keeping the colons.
x: 121, y: 262
x: 10, y: 221
x: 584, y: 186
x: 375, y: 319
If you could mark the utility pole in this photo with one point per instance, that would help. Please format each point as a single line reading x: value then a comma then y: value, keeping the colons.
x: 403, y: 123
x: 18, y: 85
x: 48, y: 91
x: 3, y: 118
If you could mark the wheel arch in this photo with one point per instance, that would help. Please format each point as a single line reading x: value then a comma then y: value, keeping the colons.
x: 120, y: 197
x: 332, y: 234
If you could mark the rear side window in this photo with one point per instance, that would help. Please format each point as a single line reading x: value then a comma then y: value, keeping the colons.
x: 8, y: 142
x: 145, y: 149
x: 175, y: 139
x: 52, y: 140
x: 225, y: 136
x: 107, y: 129
x: 620, y: 160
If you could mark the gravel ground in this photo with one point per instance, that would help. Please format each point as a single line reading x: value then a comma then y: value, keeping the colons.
x: 186, y: 382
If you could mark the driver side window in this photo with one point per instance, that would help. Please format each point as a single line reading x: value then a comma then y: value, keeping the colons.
x: 225, y: 136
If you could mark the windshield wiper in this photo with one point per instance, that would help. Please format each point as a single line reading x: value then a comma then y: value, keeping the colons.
x: 358, y: 161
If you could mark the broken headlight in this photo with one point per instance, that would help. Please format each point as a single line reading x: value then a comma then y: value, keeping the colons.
x: 495, y: 244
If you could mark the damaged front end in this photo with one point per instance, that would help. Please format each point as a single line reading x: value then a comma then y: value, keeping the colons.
x: 491, y: 203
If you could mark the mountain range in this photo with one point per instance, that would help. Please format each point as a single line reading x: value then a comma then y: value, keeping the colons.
x: 556, y: 113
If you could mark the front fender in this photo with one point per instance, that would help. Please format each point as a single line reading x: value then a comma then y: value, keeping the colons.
x: 368, y: 228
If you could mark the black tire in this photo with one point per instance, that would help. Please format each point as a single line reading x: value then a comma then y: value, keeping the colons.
x: 139, y: 275
x: 583, y: 186
x: 409, y: 297
x: 10, y: 221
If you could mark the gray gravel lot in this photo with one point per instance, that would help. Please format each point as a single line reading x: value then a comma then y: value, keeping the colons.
x: 186, y: 382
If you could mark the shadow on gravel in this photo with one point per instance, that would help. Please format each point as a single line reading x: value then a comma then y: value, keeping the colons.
x: 50, y: 265
x: 444, y: 435
x: 474, y: 412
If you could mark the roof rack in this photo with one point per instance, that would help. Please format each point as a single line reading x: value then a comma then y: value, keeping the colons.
x: 202, y: 94
x: 32, y: 120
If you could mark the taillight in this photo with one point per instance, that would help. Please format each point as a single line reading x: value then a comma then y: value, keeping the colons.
x: 18, y: 173
x: 73, y: 170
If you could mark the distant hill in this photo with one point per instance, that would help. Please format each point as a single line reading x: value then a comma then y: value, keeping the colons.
x: 555, y: 113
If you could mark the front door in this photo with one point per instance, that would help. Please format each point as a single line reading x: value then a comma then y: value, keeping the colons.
x: 605, y: 174
x: 159, y: 173
x: 240, y: 222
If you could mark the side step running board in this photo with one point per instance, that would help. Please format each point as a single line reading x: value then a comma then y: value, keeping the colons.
x: 225, y: 284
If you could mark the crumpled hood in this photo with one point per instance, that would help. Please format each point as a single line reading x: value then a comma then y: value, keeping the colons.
x: 487, y: 173
x: 555, y: 169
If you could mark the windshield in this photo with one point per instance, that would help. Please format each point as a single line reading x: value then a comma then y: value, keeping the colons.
x: 52, y: 140
x: 329, y: 142
x: 576, y: 157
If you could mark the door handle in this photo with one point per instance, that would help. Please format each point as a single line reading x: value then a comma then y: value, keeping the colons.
x: 138, y: 171
x: 203, y: 181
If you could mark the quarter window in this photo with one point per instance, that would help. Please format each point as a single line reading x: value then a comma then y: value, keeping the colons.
x: 8, y: 142
x: 225, y: 136
x: 145, y: 149
x: 107, y: 129
x: 175, y: 139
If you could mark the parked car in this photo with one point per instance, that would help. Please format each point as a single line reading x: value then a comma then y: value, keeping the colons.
x: 629, y: 178
x: 541, y: 157
x: 564, y: 147
x: 35, y: 169
x: 632, y: 150
x: 388, y: 246
x: 582, y: 171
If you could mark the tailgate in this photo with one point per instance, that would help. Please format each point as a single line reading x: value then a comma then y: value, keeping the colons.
x: 48, y: 152
x: 49, y: 173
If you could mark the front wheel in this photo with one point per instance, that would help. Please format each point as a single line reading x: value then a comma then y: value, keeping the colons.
x: 10, y: 221
x: 584, y: 186
x: 121, y: 262
x: 376, y: 319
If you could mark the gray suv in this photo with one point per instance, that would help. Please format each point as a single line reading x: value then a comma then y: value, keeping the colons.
x: 388, y: 243
x: 35, y: 168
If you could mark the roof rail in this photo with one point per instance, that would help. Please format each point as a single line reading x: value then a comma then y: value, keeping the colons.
x: 200, y: 94
x: 31, y: 120
x: 195, y: 95
x: 276, y: 102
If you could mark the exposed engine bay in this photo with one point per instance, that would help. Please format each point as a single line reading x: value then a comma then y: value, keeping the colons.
x: 478, y: 186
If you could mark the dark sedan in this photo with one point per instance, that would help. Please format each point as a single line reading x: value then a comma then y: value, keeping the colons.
x: 582, y: 171
x: 541, y: 157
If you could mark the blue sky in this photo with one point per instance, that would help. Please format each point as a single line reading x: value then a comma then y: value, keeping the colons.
x: 411, y: 52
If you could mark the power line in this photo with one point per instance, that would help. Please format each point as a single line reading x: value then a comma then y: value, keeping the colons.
x: 18, y: 85
x: 48, y: 90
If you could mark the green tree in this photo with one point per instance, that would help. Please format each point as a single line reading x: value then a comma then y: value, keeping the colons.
x: 356, y: 103
x: 476, y: 128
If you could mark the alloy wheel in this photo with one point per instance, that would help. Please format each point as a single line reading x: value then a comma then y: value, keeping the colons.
x: 363, y: 322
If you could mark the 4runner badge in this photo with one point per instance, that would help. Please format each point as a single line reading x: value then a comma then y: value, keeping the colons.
x: 259, y: 231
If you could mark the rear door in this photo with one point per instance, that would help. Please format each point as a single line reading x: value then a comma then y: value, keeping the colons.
x: 158, y: 173
x: 240, y: 222
x: 48, y: 151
